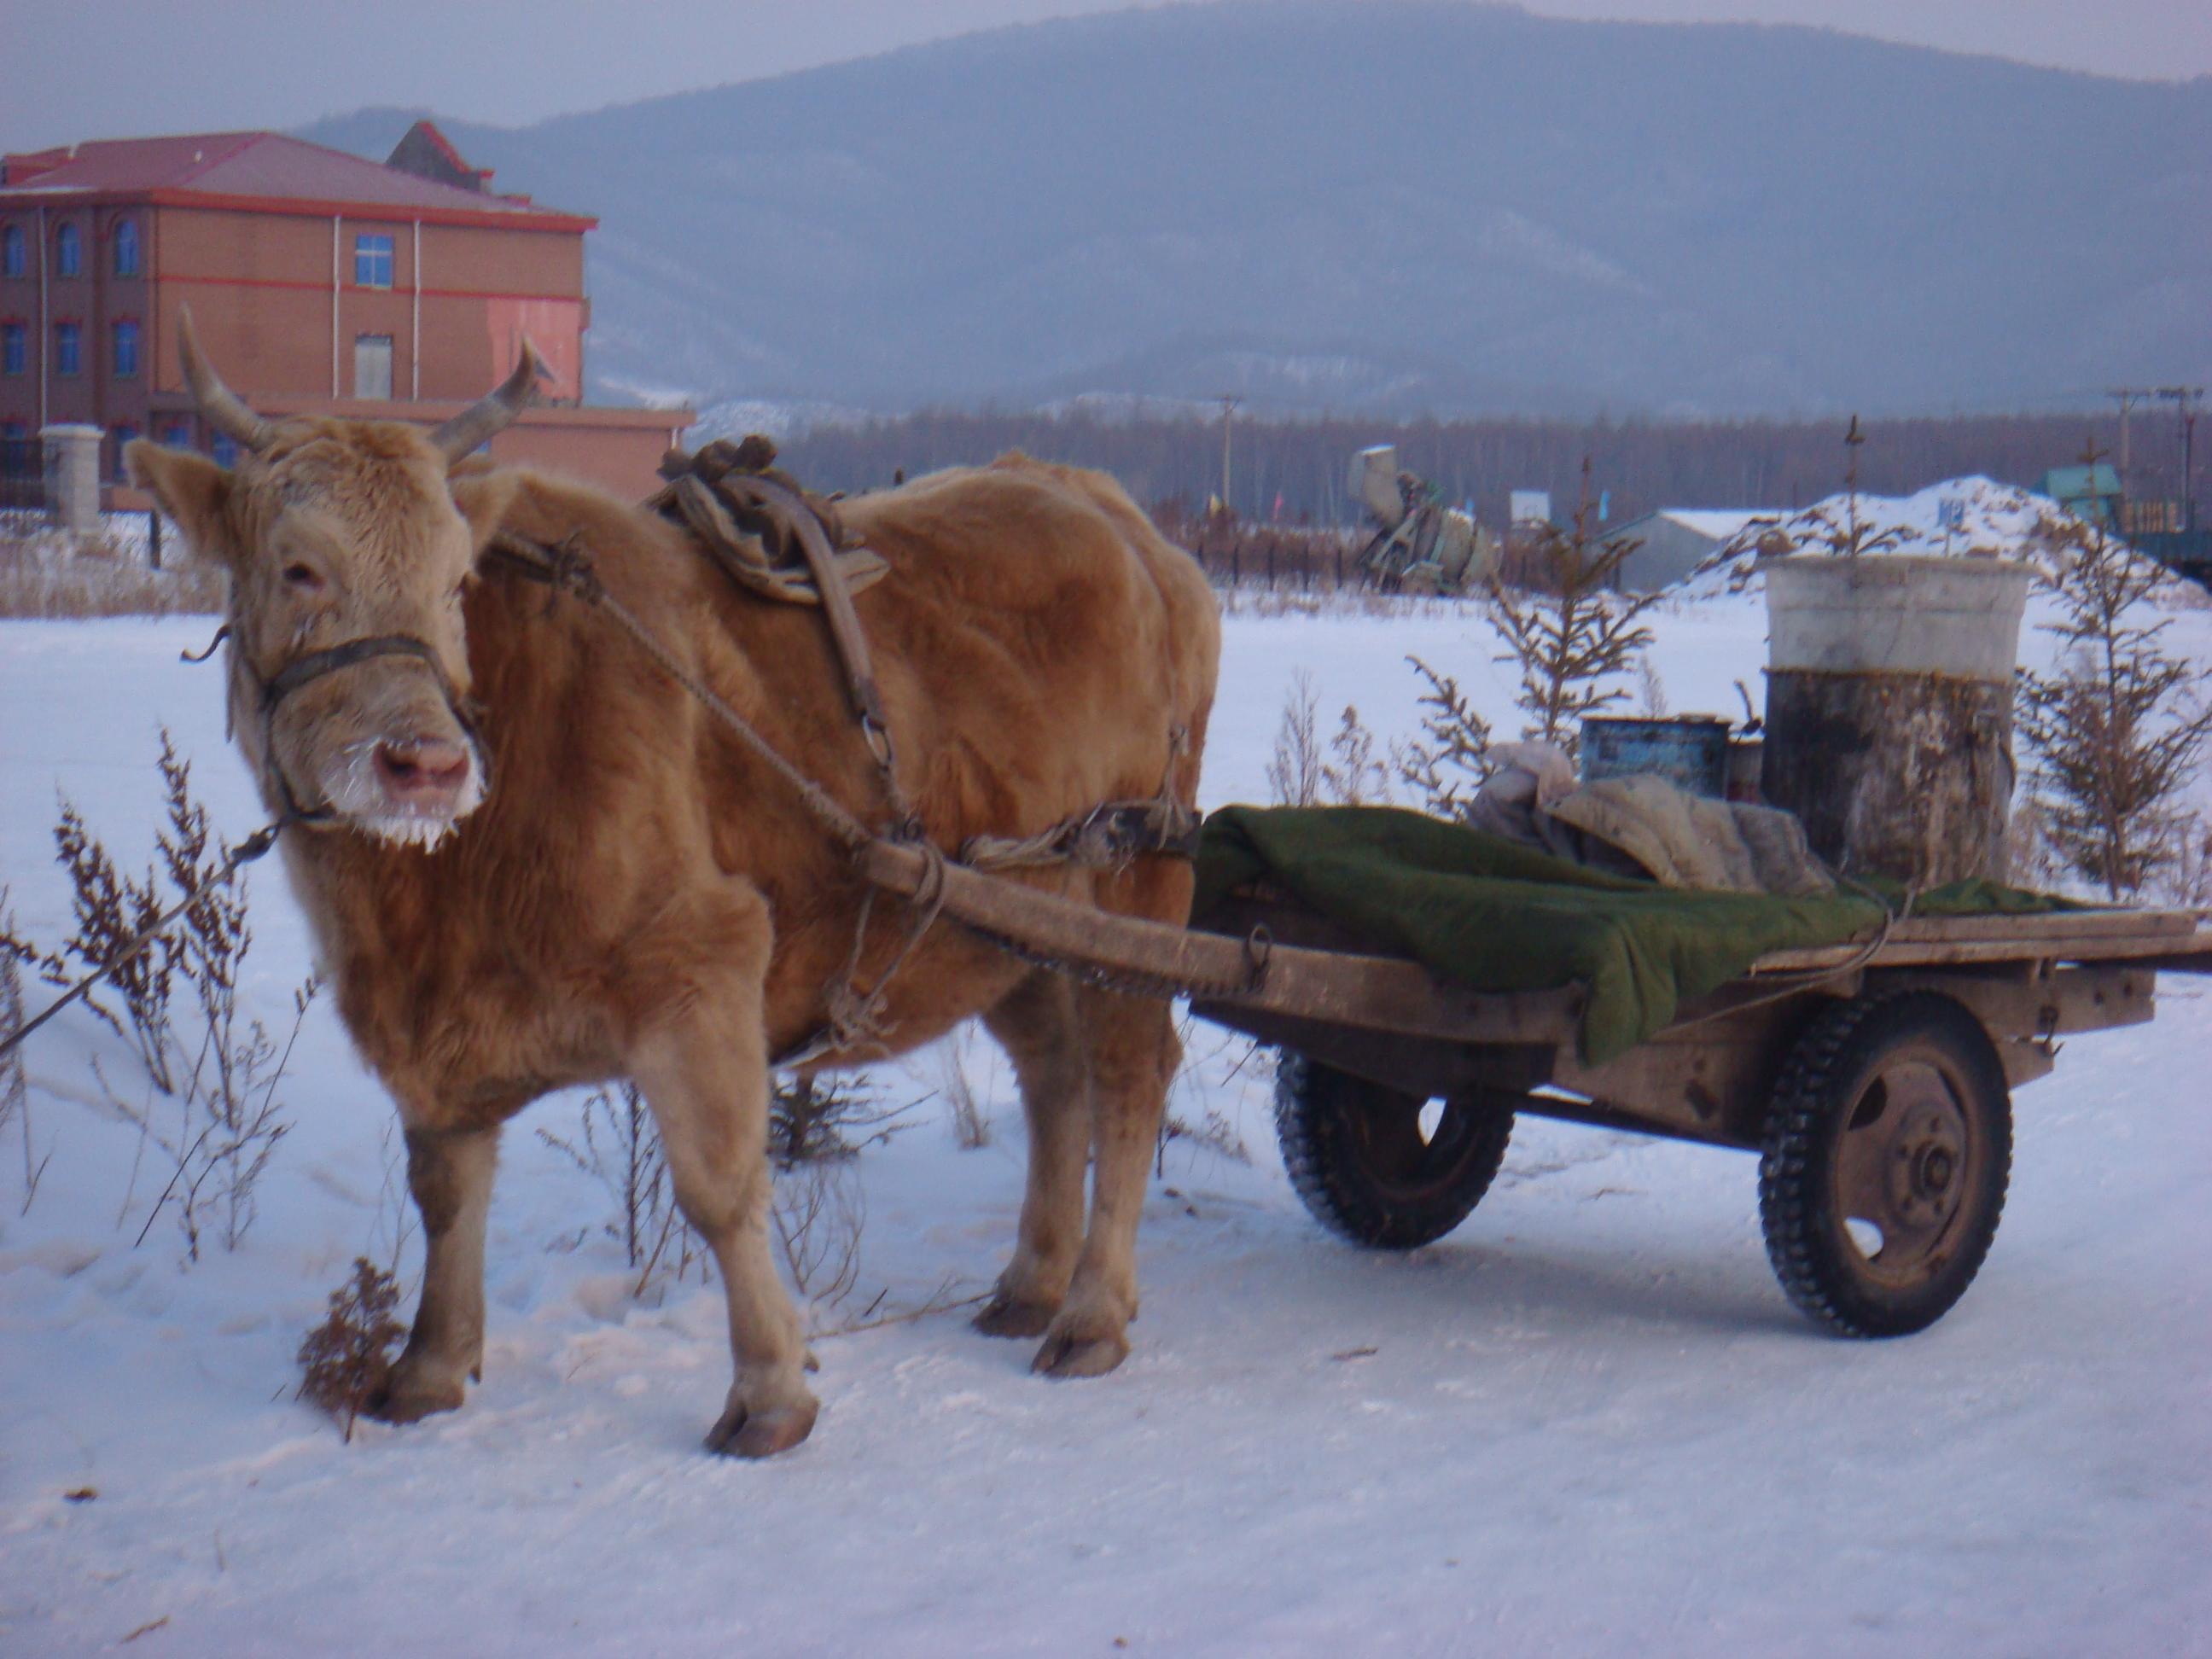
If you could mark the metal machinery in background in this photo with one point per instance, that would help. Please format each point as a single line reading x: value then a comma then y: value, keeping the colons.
x: 1420, y: 546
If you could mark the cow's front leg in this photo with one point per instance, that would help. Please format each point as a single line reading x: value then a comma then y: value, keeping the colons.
x: 706, y: 1079
x: 450, y: 1174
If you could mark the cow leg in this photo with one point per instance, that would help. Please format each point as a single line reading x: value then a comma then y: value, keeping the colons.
x: 1134, y: 1052
x: 705, y: 1080
x: 450, y: 1174
x: 1038, y: 1027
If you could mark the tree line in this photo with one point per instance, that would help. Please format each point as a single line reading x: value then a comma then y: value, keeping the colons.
x: 1294, y: 471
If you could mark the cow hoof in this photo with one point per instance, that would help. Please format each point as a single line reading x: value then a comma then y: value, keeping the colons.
x: 403, y: 1402
x: 744, y: 1433
x: 1073, y: 1353
x: 1007, y: 1315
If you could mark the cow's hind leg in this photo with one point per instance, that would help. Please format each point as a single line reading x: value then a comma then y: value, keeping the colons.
x: 705, y: 1077
x: 1038, y: 1026
x: 450, y: 1176
x: 1132, y: 1050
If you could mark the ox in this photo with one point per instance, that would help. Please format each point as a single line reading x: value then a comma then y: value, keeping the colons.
x: 584, y: 877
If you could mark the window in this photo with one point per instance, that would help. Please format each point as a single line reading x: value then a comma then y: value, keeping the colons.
x: 177, y: 433
x: 68, y: 348
x: 124, y: 435
x: 12, y: 260
x: 224, y: 449
x: 126, y: 247
x: 126, y: 348
x: 372, y: 261
x: 15, y: 349
x: 69, y: 252
x: 372, y: 366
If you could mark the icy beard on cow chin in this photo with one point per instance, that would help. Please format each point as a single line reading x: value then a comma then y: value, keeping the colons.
x: 350, y: 785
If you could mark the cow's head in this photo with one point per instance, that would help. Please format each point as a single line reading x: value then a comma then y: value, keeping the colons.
x: 348, y: 544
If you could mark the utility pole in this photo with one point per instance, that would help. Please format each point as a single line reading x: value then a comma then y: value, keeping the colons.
x: 2127, y: 397
x: 1230, y: 403
x: 2185, y: 398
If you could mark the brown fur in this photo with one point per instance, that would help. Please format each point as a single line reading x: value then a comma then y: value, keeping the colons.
x: 639, y: 897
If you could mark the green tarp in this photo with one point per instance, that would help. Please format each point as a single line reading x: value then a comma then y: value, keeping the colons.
x: 1497, y: 916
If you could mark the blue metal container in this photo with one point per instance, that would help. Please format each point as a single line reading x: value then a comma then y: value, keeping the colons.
x: 1692, y: 751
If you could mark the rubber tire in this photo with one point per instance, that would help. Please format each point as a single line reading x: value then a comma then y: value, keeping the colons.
x: 1318, y: 1127
x: 1832, y: 1064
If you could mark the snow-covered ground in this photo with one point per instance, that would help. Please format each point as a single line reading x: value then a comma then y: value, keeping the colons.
x: 1589, y: 1422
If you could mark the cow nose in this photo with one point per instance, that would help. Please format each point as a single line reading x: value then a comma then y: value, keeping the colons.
x: 421, y: 768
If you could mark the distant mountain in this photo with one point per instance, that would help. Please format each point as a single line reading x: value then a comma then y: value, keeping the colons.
x: 1396, y: 206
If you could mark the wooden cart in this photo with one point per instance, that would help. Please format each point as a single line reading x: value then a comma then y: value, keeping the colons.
x: 1874, y: 1078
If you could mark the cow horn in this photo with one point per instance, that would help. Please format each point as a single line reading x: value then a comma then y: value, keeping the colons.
x: 225, y: 410
x: 481, y: 420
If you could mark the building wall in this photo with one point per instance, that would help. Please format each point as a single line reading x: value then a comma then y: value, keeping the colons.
x: 95, y: 300
x: 1669, y: 553
x: 262, y: 293
x: 263, y: 298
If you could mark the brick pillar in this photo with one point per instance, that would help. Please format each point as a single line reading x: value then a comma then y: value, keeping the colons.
x: 73, y: 477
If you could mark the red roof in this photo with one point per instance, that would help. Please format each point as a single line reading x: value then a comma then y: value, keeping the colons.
x: 265, y: 165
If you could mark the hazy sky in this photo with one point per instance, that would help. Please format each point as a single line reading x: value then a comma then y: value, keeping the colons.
x: 83, y: 69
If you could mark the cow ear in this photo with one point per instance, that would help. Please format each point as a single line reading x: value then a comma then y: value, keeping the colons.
x: 192, y: 491
x: 484, y: 496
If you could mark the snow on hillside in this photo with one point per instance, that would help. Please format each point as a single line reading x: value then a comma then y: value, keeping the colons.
x: 1587, y: 1422
x: 1971, y: 517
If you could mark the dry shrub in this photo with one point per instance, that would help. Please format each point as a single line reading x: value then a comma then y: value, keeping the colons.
x: 218, y: 1068
x: 621, y: 1150
x: 1213, y: 1132
x: 1294, y: 770
x: 345, y: 1361
x: 971, y: 1120
x: 1345, y: 770
x: 810, y: 1118
x: 2183, y: 875
x: 817, y: 1128
x: 14, y: 1082
x: 46, y: 574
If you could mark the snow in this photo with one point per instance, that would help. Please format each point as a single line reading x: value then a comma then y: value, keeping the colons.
x: 1971, y: 517
x: 1719, y: 523
x: 1587, y: 1420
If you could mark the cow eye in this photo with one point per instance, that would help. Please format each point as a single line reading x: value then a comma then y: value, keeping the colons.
x: 304, y: 577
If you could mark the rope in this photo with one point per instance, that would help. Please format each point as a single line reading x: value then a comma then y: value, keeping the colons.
x: 1793, y: 984
x: 253, y: 846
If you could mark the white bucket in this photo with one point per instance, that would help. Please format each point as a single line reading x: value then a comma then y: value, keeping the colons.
x: 1895, y: 614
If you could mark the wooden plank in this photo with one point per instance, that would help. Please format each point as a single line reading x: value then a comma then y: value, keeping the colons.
x: 2073, y: 946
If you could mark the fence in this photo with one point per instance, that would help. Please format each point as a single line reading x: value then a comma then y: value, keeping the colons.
x: 22, y: 476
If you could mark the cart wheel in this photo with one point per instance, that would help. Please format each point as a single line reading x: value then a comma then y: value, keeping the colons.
x: 1883, y: 1173
x: 1357, y: 1154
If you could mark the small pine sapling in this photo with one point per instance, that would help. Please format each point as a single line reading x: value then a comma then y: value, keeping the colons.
x: 2115, y: 730
x: 345, y: 1362
x: 1449, y: 760
x: 1573, y: 634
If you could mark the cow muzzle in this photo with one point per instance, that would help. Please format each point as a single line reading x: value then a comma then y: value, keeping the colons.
x: 406, y: 780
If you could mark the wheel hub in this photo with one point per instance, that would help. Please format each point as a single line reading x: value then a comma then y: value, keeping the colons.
x: 1901, y: 1167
